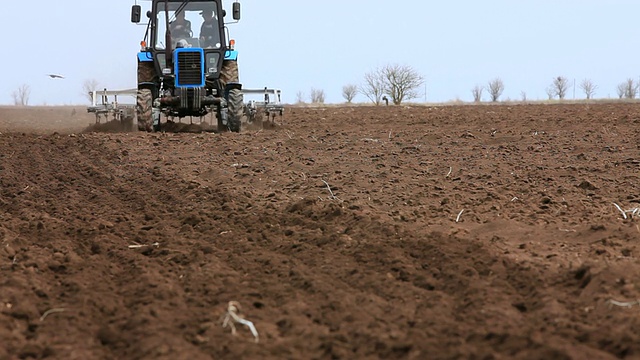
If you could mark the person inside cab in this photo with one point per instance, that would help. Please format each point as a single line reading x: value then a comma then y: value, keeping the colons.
x: 209, y: 31
x: 180, y: 27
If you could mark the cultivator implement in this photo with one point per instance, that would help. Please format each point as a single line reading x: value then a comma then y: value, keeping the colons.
x: 268, y: 107
x: 107, y: 107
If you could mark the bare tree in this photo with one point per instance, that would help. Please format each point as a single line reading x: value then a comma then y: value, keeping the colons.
x: 21, y: 95
x: 477, y: 93
x: 349, y: 92
x: 317, y: 96
x: 550, y: 91
x: 630, y: 89
x: 300, y: 97
x: 560, y: 86
x: 496, y: 88
x: 373, y: 86
x: 588, y: 87
x: 523, y: 96
x: 621, y: 90
x: 89, y: 86
x: 402, y: 82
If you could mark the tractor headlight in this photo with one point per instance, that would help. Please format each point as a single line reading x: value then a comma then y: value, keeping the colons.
x: 211, y: 63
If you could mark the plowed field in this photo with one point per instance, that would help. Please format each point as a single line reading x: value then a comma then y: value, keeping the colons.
x: 473, y: 232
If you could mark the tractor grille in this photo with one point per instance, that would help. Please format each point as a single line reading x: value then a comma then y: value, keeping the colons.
x: 189, y: 68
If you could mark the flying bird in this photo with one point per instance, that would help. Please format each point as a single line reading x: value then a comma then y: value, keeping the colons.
x: 55, y: 76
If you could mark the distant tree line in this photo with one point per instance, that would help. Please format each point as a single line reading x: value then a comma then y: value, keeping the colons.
x: 558, y: 88
x: 394, y: 81
x: 402, y: 83
x: 399, y: 83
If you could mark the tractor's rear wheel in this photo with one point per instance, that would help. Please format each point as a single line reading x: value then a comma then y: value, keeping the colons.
x: 144, y: 109
x: 235, y: 110
x: 229, y: 73
x: 235, y: 100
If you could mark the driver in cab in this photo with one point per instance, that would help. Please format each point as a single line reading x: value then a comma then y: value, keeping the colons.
x: 209, y: 32
x: 180, y: 27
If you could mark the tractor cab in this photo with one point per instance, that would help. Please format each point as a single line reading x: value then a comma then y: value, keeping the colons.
x: 195, y: 25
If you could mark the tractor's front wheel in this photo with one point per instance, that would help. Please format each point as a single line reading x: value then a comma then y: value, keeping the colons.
x: 144, y: 109
x: 235, y: 110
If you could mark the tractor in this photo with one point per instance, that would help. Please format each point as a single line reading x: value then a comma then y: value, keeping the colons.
x: 187, y: 65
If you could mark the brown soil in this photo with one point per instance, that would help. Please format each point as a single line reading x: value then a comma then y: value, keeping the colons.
x: 475, y: 232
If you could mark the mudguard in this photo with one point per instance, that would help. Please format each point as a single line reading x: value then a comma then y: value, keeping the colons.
x: 231, y: 55
x: 145, y: 56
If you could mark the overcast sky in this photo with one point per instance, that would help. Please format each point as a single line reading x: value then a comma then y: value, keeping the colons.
x: 298, y: 45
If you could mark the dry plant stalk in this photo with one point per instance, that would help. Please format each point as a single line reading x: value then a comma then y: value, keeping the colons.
x: 632, y: 212
x: 624, y: 304
x: 138, y: 246
x: 232, y: 317
x: 51, y: 311
x: 333, y: 197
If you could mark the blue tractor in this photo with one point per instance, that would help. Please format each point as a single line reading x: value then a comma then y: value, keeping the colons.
x: 187, y: 66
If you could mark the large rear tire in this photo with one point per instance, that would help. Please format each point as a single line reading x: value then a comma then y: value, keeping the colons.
x: 235, y: 110
x: 144, y: 109
x: 235, y: 100
x: 229, y: 73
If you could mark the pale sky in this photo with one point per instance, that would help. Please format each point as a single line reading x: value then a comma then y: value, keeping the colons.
x: 298, y: 45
